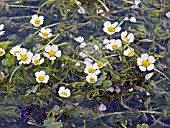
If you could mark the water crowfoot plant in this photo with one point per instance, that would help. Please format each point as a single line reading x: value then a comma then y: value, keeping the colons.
x: 106, y: 64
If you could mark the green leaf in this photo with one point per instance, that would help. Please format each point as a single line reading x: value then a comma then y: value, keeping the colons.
x: 50, y: 123
x: 142, y: 126
x: 4, y: 45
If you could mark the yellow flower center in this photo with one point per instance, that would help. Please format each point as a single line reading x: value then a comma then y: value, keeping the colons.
x: 52, y: 53
x: 114, y: 46
x: 1, y: 53
x: 24, y: 57
x: 125, y: 39
x: 91, y: 80
x: 100, y: 64
x: 111, y: 29
x: 41, y: 78
x: 16, y: 52
x: 130, y: 53
x: 37, y: 21
x: 45, y: 34
x: 91, y: 70
x: 37, y: 61
x: 64, y: 93
x: 145, y: 63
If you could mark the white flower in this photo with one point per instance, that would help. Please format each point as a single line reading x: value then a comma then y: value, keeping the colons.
x: 1, y: 28
x: 133, y: 19
x: 2, y: 52
x: 52, y: 52
x: 111, y: 28
x: 99, y: 65
x: 96, y: 47
x: 102, y: 107
x: 91, y: 78
x: 41, y: 77
x: 149, y: 75
x: 77, y: 64
x: 79, y: 39
x: 45, y: 33
x: 146, y: 62
x: 87, y: 60
x: 91, y: 69
x: 36, y: 59
x: 37, y: 20
x: 64, y: 92
x: 126, y: 19
x: 81, y: 10
x: 110, y: 89
x: 82, y: 54
x: 82, y: 45
x: 15, y: 50
x: 106, y: 41
x: 136, y: 5
x: 24, y: 56
x: 114, y: 44
x: 78, y: 2
x: 129, y: 52
x: 168, y: 14
x: 127, y: 38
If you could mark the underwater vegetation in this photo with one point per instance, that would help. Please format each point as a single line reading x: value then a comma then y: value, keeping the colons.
x: 85, y: 63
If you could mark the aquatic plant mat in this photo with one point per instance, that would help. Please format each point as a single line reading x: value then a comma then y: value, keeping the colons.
x: 84, y: 64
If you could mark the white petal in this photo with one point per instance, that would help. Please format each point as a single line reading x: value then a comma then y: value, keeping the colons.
x: 43, y: 30
x: 48, y: 30
x: 52, y: 58
x: 41, y: 18
x: 77, y: 64
x: 37, y: 56
x: 23, y: 51
x: 102, y: 107
x: 137, y: 1
x: 61, y: 89
x: 149, y: 75
x: 106, y: 41
x: 79, y: 39
x: 124, y: 34
x: 2, y: 32
x: 46, y: 78
x: 58, y: 53
x: 42, y: 61
x: 29, y: 54
x: 97, y: 72
x: 115, y: 24
x: 42, y: 73
x: 46, y: 55
x: 126, y: 18
x: 126, y: 52
x: 81, y: 10
x: 48, y: 48
x: 117, y: 29
x: 144, y: 56
x: 142, y: 68
x: 54, y: 48
x: 168, y: 14
x: 139, y: 61
x: 130, y: 37
x: 35, y: 16
x: 133, y: 19
x: 1, y: 27
x: 107, y: 23
x: 82, y: 45
x: 151, y: 59
x: 150, y: 67
x: 37, y: 74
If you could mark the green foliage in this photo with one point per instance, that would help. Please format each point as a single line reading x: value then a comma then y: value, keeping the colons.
x: 51, y: 123
x: 142, y: 126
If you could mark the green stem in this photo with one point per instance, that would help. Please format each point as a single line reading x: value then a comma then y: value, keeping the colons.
x: 10, y: 79
x: 103, y: 53
x: 49, y: 42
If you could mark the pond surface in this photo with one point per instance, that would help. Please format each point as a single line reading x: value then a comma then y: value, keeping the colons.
x: 131, y: 101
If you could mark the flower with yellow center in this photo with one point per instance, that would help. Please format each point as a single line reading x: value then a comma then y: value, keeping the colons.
x: 64, y: 92
x: 129, y: 52
x: 2, y: 52
x: 37, y: 20
x: 52, y: 52
x: 1, y: 28
x: 127, y: 38
x: 24, y: 56
x: 114, y: 44
x: 15, y: 50
x: 45, y: 33
x: 91, y: 78
x: 36, y: 59
x: 99, y: 65
x: 91, y: 69
x: 146, y: 62
x: 41, y: 77
x: 110, y: 29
